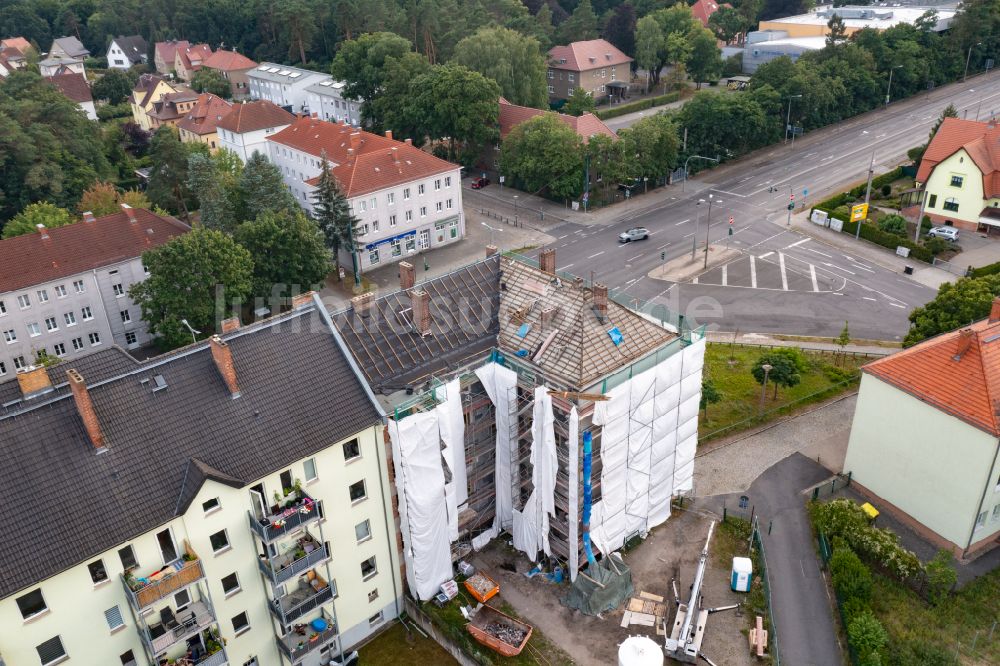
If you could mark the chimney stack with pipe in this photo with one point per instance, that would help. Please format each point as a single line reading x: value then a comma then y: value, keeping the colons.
x: 362, y: 304
x: 420, y: 305
x: 547, y: 261
x: 223, y: 358
x: 85, y: 408
x: 600, y: 301
x: 407, y: 276
x: 130, y: 212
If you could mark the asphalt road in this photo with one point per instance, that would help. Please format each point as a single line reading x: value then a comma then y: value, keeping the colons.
x: 784, y: 282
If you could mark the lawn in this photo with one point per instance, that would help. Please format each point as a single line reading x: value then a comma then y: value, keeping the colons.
x: 728, y: 368
x: 398, y: 646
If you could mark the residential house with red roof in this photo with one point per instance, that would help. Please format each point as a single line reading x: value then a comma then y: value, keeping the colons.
x: 169, y: 109
x: 75, y: 87
x: 960, y: 175
x: 244, y: 130
x: 406, y: 200
x: 703, y: 10
x: 595, y: 65
x: 189, y: 60
x: 148, y: 90
x: 925, y: 440
x: 64, y: 291
x: 199, y: 124
x: 234, y: 68
x: 14, y: 54
x: 164, y: 54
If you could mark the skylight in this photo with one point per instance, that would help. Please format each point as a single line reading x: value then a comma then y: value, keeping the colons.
x: 325, y: 83
x: 295, y: 75
x: 284, y: 72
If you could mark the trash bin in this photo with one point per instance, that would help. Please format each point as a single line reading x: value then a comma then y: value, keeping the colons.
x: 908, y: 270
x: 741, y: 574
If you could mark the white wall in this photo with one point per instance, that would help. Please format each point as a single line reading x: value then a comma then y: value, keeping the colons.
x: 245, y: 144
x: 968, y: 196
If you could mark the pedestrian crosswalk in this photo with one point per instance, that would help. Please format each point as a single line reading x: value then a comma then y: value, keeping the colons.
x: 773, y: 270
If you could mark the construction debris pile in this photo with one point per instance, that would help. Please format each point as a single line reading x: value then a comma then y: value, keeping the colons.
x: 506, y: 633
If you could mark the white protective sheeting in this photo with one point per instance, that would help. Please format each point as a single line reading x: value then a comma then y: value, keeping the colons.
x: 531, y: 524
x: 501, y: 385
x: 573, y: 471
x: 451, y: 424
x: 648, y: 439
x: 416, y: 448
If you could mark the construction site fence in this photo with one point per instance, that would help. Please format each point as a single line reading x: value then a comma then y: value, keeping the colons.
x: 809, y: 350
x: 772, y: 634
x: 954, y: 269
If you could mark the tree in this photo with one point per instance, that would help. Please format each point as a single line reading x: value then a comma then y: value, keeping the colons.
x: 288, y: 252
x: 394, y: 104
x: 957, y: 304
x: 620, y: 29
x: 651, y: 146
x: 42, y: 212
x: 334, y: 217
x: 211, y: 81
x: 949, y: 112
x: 867, y: 635
x: 361, y: 65
x: 135, y: 199
x: 215, y: 201
x: 838, y: 30
x: 608, y: 158
x: 705, y: 60
x: 196, y: 276
x: 709, y: 395
x: 460, y: 104
x: 114, y: 86
x: 727, y: 24
x: 941, y: 576
x: 893, y: 224
x: 581, y: 25
x: 787, y: 366
x: 135, y: 139
x: 514, y: 61
x: 844, y: 338
x: 580, y: 102
x: 168, y: 179
x: 99, y: 199
x: 544, y: 152
x: 849, y: 575
x: 262, y: 190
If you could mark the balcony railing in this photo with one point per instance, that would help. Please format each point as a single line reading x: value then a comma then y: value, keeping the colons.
x: 215, y: 659
x: 184, y: 574
x: 286, y: 521
x: 193, y: 619
x: 280, y: 574
x: 296, y: 645
x: 292, y: 606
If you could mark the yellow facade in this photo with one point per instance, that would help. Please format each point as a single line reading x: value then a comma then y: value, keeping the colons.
x: 956, y: 182
x: 140, y: 113
x: 210, y: 139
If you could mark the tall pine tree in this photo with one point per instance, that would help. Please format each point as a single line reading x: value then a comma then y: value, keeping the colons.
x: 333, y: 215
x: 262, y: 189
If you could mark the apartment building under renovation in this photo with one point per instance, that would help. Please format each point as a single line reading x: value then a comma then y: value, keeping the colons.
x: 491, y: 375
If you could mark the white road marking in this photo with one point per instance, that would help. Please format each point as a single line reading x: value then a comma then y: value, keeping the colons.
x: 677, y: 224
x: 688, y: 235
x: 765, y: 255
x: 631, y: 281
x: 812, y: 274
x: 635, y: 257
x: 753, y: 272
x: 863, y: 268
x: 868, y: 298
x: 663, y: 246
x: 839, y: 268
x: 784, y: 278
x: 897, y: 305
x: 596, y: 255
x: 797, y: 243
x: 837, y: 293
x: 565, y: 267
x: 732, y: 194
x: 725, y: 275
x: 828, y: 256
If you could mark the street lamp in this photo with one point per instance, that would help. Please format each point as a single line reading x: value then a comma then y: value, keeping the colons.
x: 767, y: 367
x: 492, y: 230
x: 888, y: 88
x: 191, y: 330
x: 692, y: 157
x: 967, y: 59
x: 515, y: 205
x: 697, y: 221
x: 788, y: 118
x: 708, y: 227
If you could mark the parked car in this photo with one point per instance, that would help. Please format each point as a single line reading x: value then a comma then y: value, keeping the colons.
x: 947, y: 233
x: 480, y: 183
x: 633, y: 234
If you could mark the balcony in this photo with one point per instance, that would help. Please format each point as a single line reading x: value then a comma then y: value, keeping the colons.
x: 303, y: 639
x: 144, y: 591
x: 311, y: 593
x: 171, y: 630
x: 306, y: 554
x: 294, y: 512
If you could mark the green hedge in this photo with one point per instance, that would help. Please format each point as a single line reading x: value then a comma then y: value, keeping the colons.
x: 873, y: 234
x: 983, y: 271
x: 641, y: 105
x: 845, y: 198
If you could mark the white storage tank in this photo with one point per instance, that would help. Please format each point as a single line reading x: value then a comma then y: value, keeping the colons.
x: 640, y: 651
x: 742, y: 574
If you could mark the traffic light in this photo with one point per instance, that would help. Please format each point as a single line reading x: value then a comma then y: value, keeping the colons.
x: 791, y: 202
x: 663, y: 256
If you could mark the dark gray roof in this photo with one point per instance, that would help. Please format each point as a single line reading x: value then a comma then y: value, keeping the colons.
x: 71, y: 46
x: 299, y: 394
x: 464, y: 306
x: 133, y: 46
x: 95, y: 367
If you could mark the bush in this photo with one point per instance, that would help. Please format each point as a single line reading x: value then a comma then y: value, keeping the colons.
x: 886, y: 190
x: 844, y: 518
x: 893, y: 224
x: 941, y: 576
x: 111, y: 111
x: 733, y: 65
x: 936, y: 245
x: 983, y: 271
x: 641, y: 105
x: 875, y: 235
x: 851, y: 578
x: 867, y: 636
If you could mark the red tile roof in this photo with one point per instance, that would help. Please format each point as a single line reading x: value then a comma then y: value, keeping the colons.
x: 144, y: 88
x: 194, y: 56
x: 165, y: 108
x: 19, y: 43
x: 205, y: 114
x: 980, y: 140
x: 73, y: 85
x: 228, y: 61
x: 585, y: 56
x: 587, y: 125
x: 377, y: 162
x: 957, y: 372
x: 253, y: 116
x: 31, y: 259
x: 704, y: 9
x: 12, y: 53
x: 167, y: 50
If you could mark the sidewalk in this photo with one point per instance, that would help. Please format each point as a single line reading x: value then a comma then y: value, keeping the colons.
x: 817, y: 344
x: 629, y: 119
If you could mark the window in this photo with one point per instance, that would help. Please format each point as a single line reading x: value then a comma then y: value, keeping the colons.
x: 309, y: 467
x: 552, y: 90
x: 98, y: 573
x: 373, y: 256
x: 31, y: 604
x: 375, y: 619
x: 390, y: 198
x: 996, y: 512
x: 33, y: 329
x: 423, y: 211
x: 19, y: 363
x: 368, y: 568
x: 352, y: 450
x: 167, y: 547
x: 397, y: 247
x: 118, y: 289
x: 357, y: 491
x: 951, y: 203
x: 220, y: 541
x: 182, y: 599
x: 77, y: 344
x: 95, y: 338
x: 51, y: 651
x: 231, y: 584
x: 406, y: 193
x: 425, y: 239
x: 10, y: 336
x: 439, y: 206
x: 51, y: 324
x: 210, y: 506
x: 78, y: 286
x: 3, y: 369
x: 69, y: 318
x: 362, y: 205
x: 241, y: 623
x: 127, y: 556
x: 409, y: 216
x: 437, y: 184
x: 43, y: 296
x: 127, y: 658
x: 392, y: 220
x: 3, y: 308
x: 572, y: 77
x: 86, y: 313
x: 981, y: 520
x: 552, y: 74
x: 932, y: 202
x: 411, y: 243
x: 61, y: 291
x: 447, y: 181
x: 956, y: 181
x: 448, y: 204
x: 126, y: 317
x: 363, y: 531
x: 130, y: 338
x: 372, y: 203
x: 59, y: 348
x: 420, y: 188
x: 23, y: 301
x: 114, y: 617
x: 252, y: 661
x: 373, y: 595
x: 374, y: 225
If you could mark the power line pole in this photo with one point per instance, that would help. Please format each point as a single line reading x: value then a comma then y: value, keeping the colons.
x: 868, y: 196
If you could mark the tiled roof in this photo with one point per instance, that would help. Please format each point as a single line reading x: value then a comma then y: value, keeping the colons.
x: 12, y: 53
x: 133, y: 46
x: 378, y: 162
x: 980, y: 140
x: 96, y: 367
x: 587, y: 125
x: 71, y: 46
x: 253, y: 116
x: 145, y: 87
x: 165, y: 108
x: 194, y: 55
x: 167, y: 50
x: 19, y: 43
x: 73, y: 85
x: 299, y: 396
x: 703, y: 9
x: 30, y: 259
x: 956, y: 372
x: 205, y: 114
x: 584, y: 56
x: 228, y: 61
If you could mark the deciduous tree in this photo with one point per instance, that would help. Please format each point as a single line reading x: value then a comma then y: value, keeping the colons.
x: 211, y: 81
x: 456, y: 102
x: 513, y: 60
x: 651, y: 145
x: 114, y: 86
x: 705, y: 60
x: 100, y: 199
x: 361, y: 64
x: 543, y: 152
x: 168, y: 178
x: 787, y: 366
x: 957, y: 304
x: 42, y: 212
x: 579, y: 103
x: 288, y: 252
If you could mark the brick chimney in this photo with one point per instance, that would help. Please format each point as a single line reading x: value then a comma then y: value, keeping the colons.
x: 130, y: 212
x: 33, y: 381
x: 491, y: 250
x: 355, y: 141
x: 407, y: 276
x: 409, y: 141
x: 314, y: 115
x: 362, y: 304
x: 965, y: 338
x: 231, y: 324
x: 88, y: 216
x: 995, y: 311
x: 420, y: 304
x: 223, y: 358
x: 302, y: 300
x: 395, y: 155
x: 547, y: 261
x: 388, y: 134
x: 42, y: 231
x: 600, y: 301
x: 85, y: 408
x: 548, y: 316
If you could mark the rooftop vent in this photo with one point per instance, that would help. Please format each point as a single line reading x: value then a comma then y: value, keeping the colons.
x: 159, y: 383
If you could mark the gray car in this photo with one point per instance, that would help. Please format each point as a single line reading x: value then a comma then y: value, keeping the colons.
x: 947, y: 233
x: 633, y: 234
